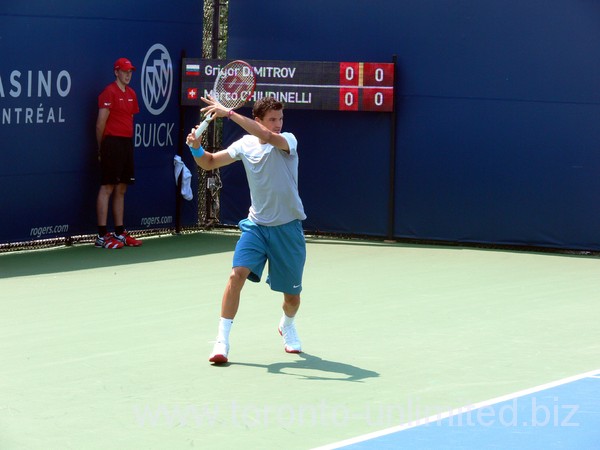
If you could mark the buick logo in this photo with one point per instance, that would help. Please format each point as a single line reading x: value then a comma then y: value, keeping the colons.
x: 157, y: 79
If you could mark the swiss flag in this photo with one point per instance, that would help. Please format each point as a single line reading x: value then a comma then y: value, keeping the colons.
x: 192, y: 93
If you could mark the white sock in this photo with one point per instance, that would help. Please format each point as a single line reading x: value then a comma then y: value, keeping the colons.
x: 286, y: 321
x: 224, y: 330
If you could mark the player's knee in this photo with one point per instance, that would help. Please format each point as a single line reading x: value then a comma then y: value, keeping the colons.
x: 292, y: 299
x: 106, y: 190
x: 121, y: 189
x: 238, y: 275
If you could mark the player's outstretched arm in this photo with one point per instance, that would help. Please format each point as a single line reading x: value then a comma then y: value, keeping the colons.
x: 251, y: 126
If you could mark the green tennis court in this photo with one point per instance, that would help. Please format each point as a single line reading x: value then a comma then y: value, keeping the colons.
x: 108, y: 349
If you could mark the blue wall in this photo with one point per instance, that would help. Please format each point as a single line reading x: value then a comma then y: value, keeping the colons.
x: 497, y: 129
x: 498, y: 136
x: 48, y: 169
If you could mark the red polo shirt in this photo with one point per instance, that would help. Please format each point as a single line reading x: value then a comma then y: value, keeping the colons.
x: 122, y: 106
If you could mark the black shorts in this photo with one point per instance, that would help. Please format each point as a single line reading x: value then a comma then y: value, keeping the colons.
x: 116, y: 160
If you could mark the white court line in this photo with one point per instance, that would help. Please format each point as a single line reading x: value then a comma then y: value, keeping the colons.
x: 457, y: 411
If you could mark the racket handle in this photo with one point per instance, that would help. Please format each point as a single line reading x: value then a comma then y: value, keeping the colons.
x: 203, y: 126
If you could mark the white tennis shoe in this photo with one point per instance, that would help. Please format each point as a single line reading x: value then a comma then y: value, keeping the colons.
x: 219, y: 353
x: 291, y: 341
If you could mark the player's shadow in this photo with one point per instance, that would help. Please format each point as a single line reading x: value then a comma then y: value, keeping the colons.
x: 312, y: 367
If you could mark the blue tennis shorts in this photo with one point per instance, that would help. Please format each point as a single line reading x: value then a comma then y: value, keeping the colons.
x: 283, y: 246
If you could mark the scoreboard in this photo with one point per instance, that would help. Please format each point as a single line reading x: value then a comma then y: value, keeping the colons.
x: 340, y: 86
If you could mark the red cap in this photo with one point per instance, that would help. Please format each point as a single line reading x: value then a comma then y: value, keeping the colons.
x: 123, y: 64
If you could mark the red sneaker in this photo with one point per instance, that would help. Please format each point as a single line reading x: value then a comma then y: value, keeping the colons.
x: 109, y: 240
x: 128, y: 240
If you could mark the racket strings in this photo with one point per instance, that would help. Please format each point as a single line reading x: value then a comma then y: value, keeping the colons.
x: 235, y: 85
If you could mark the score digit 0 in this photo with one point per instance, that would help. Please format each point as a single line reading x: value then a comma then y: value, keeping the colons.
x: 349, y: 100
x: 378, y: 74
x: 350, y: 74
x: 377, y: 99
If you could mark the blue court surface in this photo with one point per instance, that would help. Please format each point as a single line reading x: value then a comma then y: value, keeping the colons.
x: 561, y: 415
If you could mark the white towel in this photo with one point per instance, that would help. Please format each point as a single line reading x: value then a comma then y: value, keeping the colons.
x: 186, y: 188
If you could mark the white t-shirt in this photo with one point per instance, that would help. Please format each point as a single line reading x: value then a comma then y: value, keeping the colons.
x: 273, y: 179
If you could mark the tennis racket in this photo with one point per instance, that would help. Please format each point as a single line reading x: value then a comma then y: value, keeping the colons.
x: 233, y: 87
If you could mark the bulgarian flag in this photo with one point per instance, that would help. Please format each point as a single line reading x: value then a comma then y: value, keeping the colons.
x: 192, y: 70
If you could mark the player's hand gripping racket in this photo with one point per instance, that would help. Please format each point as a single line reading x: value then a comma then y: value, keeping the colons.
x: 233, y: 87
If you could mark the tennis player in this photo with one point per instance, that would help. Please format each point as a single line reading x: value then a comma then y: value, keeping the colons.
x: 273, y: 229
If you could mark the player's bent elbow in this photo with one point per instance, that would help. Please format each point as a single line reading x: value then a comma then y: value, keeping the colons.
x: 206, y: 162
x: 278, y: 141
x: 203, y: 164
